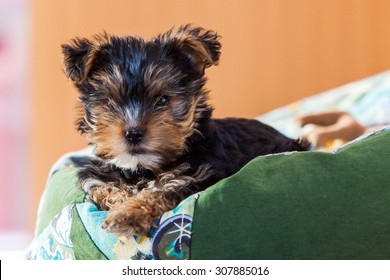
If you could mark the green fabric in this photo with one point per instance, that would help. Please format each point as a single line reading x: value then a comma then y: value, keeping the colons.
x: 61, y: 193
x: 308, y: 205
x: 83, y: 246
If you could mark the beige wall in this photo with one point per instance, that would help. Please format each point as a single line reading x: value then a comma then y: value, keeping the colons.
x: 274, y: 52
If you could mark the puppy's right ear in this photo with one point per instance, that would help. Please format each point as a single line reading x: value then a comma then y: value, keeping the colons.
x: 77, y: 59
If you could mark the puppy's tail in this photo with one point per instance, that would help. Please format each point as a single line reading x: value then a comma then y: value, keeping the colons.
x: 302, y: 144
x: 286, y: 144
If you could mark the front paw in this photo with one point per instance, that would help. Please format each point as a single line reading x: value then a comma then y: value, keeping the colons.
x: 131, y: 217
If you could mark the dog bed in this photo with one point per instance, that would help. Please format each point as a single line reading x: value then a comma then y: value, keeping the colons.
x: 310, y: 205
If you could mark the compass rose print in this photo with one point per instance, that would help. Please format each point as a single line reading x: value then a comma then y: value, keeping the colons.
x: 172, y: 239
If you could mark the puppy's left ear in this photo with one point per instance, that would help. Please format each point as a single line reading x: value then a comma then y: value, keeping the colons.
x: 77, y: 58
x: 200, y: 47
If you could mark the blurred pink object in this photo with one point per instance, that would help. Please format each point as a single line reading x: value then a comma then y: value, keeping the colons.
x: 13, y: 114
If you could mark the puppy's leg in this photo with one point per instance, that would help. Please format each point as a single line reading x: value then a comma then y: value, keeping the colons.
x: 104, y: 185
x: 136, y: 215
x: 106, y: 196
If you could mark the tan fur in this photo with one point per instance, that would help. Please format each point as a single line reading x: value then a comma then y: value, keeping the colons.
x: 107, y: 196
x: 108, y: 133
x: 136, y: 214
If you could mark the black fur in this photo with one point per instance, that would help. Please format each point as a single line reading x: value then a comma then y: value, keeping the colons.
x: 228, y: 144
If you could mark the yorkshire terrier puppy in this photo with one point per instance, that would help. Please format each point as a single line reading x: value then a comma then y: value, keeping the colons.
x: 145, y: 111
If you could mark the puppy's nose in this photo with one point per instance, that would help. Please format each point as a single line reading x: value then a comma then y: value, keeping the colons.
x: 133, y: 135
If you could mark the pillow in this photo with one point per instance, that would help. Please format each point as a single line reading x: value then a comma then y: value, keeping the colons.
x: 308, y: 205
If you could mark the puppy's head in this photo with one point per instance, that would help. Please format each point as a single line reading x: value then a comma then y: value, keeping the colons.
x: 142, y: 99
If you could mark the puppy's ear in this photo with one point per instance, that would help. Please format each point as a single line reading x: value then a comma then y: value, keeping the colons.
x: 200, y: 47
x: 78, y: 57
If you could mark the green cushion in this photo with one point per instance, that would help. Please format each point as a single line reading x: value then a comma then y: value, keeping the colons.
x: 309, y: 205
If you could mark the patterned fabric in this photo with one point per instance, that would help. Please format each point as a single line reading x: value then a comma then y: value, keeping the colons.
x: 54, y: 242
x: 168, y: 239
x: 172, y: 239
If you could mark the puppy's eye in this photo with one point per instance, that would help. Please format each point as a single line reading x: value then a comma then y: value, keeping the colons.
x: 162, y: 101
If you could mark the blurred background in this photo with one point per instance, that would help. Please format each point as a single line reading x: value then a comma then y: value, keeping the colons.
x: 274, y: 52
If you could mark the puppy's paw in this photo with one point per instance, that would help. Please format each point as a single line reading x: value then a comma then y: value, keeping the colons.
x: 130, y: 217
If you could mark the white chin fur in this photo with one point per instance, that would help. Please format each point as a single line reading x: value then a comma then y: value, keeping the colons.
x: 134, y: 162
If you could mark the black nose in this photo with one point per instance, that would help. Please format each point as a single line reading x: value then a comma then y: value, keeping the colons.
x: 134, y: 136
